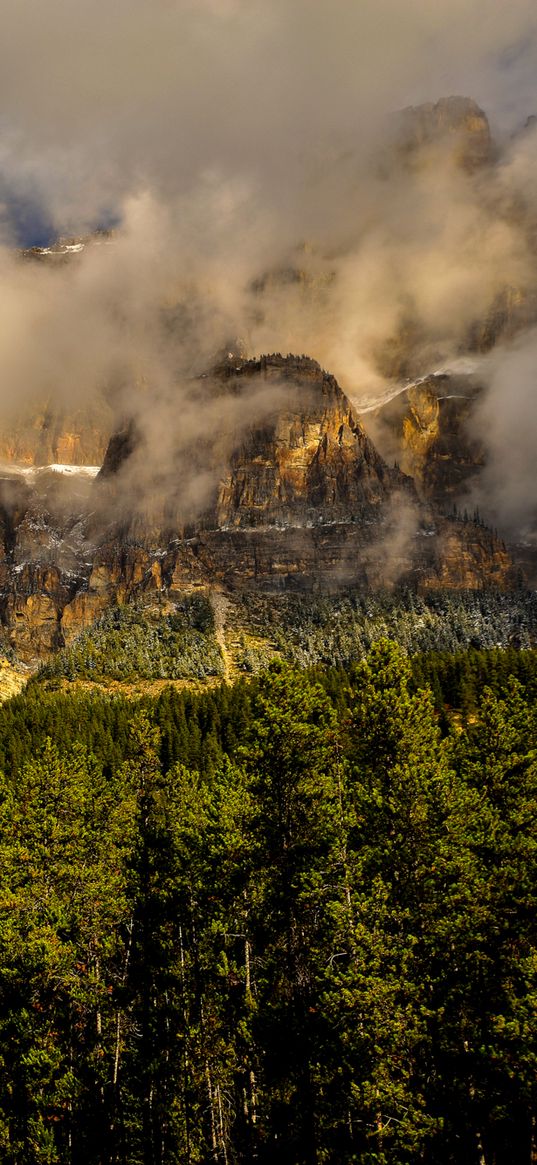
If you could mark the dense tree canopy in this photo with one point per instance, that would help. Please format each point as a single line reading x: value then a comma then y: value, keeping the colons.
x: 292, y: 920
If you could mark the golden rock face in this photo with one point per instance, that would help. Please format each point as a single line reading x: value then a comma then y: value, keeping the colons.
x: 80, y: 613
x: 304, y: 503
x: 421, y: 426
x: 34, y: 621
x: 471, y: 558
x: 49, y: 434
x: 311, y: 463
x: 430, y: 430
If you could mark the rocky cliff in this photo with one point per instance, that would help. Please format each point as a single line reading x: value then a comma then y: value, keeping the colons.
x: 287, y: 490
x: 453, y: 124
x: 310, y: 463
x: 303, y: 503
x: 429, y: 430
x: 48, y: 434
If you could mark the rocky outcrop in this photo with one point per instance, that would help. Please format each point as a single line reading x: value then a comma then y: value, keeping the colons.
x: 305, y: 503
x: 428, y: 429
x: 67, y: 248
x: 310, y: 463
x: 455, y: 124
x: 301, y: 501
x: 513, y: 310
x: 464, y: 556
x: 44, y: 555
x: 46, y: 434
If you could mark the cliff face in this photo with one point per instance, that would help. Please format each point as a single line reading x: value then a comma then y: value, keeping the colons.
x: 303, y: 503
x: 428, y: 429
x: 453, y: 123
x: 48, y: 435
x: 309, y: 463
x: 44, y: 554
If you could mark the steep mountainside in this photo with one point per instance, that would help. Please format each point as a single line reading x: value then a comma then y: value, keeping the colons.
x: 48, y: 434
x: 456, y: 124
x: 428, y: 430
x: 302, y: 503
x: 278, y: 485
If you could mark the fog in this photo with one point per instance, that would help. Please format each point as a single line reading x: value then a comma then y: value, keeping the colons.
x: 249, y: 155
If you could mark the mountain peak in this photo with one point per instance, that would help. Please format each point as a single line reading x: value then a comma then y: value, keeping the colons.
x: 456, y: 124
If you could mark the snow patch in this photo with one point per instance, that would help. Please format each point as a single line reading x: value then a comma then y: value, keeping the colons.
x: 72, y: 470
x: 32, y: 471
x: 465, y: 366
x: 59, y: 249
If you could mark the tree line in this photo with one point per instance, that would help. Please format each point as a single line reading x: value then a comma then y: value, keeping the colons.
x: 134, y: 642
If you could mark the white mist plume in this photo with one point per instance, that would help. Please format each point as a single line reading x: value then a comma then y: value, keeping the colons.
x: 506, y: 420
x: 234, y: 140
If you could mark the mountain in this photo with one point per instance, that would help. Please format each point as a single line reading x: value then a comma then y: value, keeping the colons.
x: 261, y: 478
x: 428, y: 429
x: 453, y: 124
x: 299, y: 503
x: 48, y: 433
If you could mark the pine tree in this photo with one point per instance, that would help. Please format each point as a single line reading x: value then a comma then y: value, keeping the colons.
x: 291, y: 759
x: 413, y: 881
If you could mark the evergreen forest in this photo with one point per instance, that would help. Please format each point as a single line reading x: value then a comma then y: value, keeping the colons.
x: 133, y: 642
x: 290, y: 919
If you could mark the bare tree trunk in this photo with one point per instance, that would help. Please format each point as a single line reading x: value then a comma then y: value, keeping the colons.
x: 117, y: 1046
x: 124, y: 973
x: 221, y: 1126
x: 214, y: 1142
x: 247, y: 983
x: 251, y: 1097
x: 186, y: 1065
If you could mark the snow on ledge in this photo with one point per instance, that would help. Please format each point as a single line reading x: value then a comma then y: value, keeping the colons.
x: 10, y: 467
x: 83, y: 470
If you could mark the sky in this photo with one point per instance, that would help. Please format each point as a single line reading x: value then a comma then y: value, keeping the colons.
x: 228, y: 139
x: 99, y: 100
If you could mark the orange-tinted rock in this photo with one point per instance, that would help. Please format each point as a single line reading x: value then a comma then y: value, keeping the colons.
x: 80, y: 613
x: 304, y: 502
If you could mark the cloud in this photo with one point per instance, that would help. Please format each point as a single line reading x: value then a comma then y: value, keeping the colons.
x: 506, y: 420
x: 242, y: 148
x: 100, y: 99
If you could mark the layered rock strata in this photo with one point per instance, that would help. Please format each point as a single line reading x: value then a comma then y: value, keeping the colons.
x: 301, y: 501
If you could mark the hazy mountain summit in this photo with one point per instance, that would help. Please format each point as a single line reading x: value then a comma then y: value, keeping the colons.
x: 453, y: 124
x: 215, y: 468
